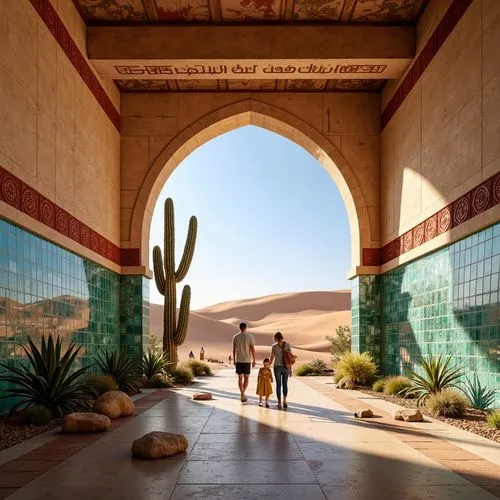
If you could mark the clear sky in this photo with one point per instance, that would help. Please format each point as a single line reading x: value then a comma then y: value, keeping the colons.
x: 270, y: 219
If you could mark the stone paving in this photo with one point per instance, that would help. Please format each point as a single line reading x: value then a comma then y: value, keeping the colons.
x: 315, y: 450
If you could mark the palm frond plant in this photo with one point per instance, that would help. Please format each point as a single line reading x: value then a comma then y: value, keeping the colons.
x: 47, y: 379
x: 125, y: 371
x: 154, y: 363
x: 437, y: 376
x: 480, y: 396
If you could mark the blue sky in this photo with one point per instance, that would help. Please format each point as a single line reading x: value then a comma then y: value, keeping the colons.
x: 270, y: 219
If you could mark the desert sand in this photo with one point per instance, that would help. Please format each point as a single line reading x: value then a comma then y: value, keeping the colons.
x: 304, y: 318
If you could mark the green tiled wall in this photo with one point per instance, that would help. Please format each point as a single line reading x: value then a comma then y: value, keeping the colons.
x: 446, y: 303
x: 45, y: 289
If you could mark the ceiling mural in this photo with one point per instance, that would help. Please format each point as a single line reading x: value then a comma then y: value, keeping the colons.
x: 274, y: 11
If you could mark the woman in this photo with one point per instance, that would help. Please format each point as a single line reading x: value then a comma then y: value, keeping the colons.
x: 281, y: 372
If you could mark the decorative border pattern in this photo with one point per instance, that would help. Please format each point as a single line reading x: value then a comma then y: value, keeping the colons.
x: 49, y: 16
x: 475, y: 202
x: 24, y: 198
x: 453, y: 15
x: 130, y: 257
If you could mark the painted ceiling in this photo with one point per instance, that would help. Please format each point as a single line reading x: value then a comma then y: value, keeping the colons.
x: 249, y: 11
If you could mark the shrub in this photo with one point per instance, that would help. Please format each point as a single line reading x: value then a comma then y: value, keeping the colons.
x: 480, y: 397
x: 182, y: 375
x: 360, y: 368
x: 338, y: 377
x: 124, y: 370
x: 447, y: 403
x: 340, y: 343
x: 154, y: 362
x: 378, y: 386
x: 395, y: 385
x: 438, y: 375
x: 47, y: 378
x: 199, y: 368
x: 307, y: 369
x: 319, y: 364
x: 101, y: 383
x: 37, y: 415
x: 494, y: 419
x: 160, y: 381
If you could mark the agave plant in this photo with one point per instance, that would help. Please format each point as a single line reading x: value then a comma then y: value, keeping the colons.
x: 124, y: 370
x: 438, y: 375
x: 47, y: 379
x: 154, y: 363
x: 480, y: 397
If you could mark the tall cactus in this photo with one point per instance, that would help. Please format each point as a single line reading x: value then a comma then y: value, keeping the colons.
x: 166, y: 278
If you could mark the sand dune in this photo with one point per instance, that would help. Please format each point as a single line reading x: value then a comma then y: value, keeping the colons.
x: 305, y: 318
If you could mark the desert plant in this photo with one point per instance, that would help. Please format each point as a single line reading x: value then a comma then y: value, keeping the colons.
x: 307, y: 369
x: 340, y: 343
x: 494, y: 419
x: 47, y: 379
x: 181, y: 375
x: 338, y: 377
x: 378, y: 385
x: 101, y: 383
x: 199, y: 368
x: 397, y: 385
x: 319, y: 364
x: 166, y: 279
x: 447, y: 403
x: 153, y: 363
x: 438, y: 375
x: 124, y: 370
x: 480, y: 397
x: 160, y: 380
x: 155, y: 344
x: 37, y: 415
x: 360, y: 368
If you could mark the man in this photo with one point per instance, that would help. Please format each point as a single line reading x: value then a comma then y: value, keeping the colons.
x: 244, y: 358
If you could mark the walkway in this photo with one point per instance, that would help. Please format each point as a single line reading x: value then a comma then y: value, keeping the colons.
x: 315, y: 450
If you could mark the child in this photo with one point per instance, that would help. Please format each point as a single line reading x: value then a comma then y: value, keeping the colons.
x: 264, y: 383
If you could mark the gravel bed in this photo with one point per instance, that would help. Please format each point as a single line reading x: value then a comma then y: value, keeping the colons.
x: 474, y: 420
x: 11, y: 434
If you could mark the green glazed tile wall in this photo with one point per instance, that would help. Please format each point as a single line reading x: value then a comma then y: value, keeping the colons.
x: 446, y: 303
x: 45, y: 289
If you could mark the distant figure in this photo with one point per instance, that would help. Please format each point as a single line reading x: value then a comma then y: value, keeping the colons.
x: 202, y: 354
x: 244, y: 358
x: 265, y: 383
x: 230, y: 359
x: 191, y: 355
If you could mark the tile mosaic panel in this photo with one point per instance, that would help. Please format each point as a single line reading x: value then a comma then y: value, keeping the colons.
x: 446, y: 303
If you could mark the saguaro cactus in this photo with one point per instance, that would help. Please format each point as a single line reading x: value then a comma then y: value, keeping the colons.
x: 166, y: 278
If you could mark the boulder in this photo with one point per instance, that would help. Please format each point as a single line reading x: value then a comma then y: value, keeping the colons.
x: 202, y: 396
x: 409, y: 415
x: 345, y: 383
x: 114, y: 404
x: 158, y: 445
x: 363, y: 413
x: 85, y: 422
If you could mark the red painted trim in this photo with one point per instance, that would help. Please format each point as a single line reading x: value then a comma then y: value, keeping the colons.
x: 445, y: 27
x: 475, y: 202
x: 130, y: 257
x: 24, y: 198
x: 49, y: 16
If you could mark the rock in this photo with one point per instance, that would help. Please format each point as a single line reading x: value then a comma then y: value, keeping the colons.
x: 158, y: 445
x: 85, y: 422
x: 114, y: 404
x: 345, y: 383
x: 363, y: 413
x: 409, y: 415
x: 202, y: 396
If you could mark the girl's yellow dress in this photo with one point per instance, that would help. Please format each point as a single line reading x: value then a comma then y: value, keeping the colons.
x: 264, y: 382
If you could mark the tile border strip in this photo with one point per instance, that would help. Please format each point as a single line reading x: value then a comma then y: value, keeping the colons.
x: 447, y: 24
x: 49, y: 16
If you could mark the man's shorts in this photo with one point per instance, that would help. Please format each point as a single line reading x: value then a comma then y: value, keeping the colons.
x: 243, y: 368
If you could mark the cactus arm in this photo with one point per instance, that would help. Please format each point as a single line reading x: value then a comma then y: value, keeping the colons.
x: 187, y: 256
x: 169, y: 247
x: 182, y: 322
x: 159, y: 273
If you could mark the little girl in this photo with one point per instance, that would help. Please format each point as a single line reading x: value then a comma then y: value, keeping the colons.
x: 264, y: 383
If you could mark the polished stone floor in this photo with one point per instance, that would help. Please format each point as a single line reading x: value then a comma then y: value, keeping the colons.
x: 314, y: 450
